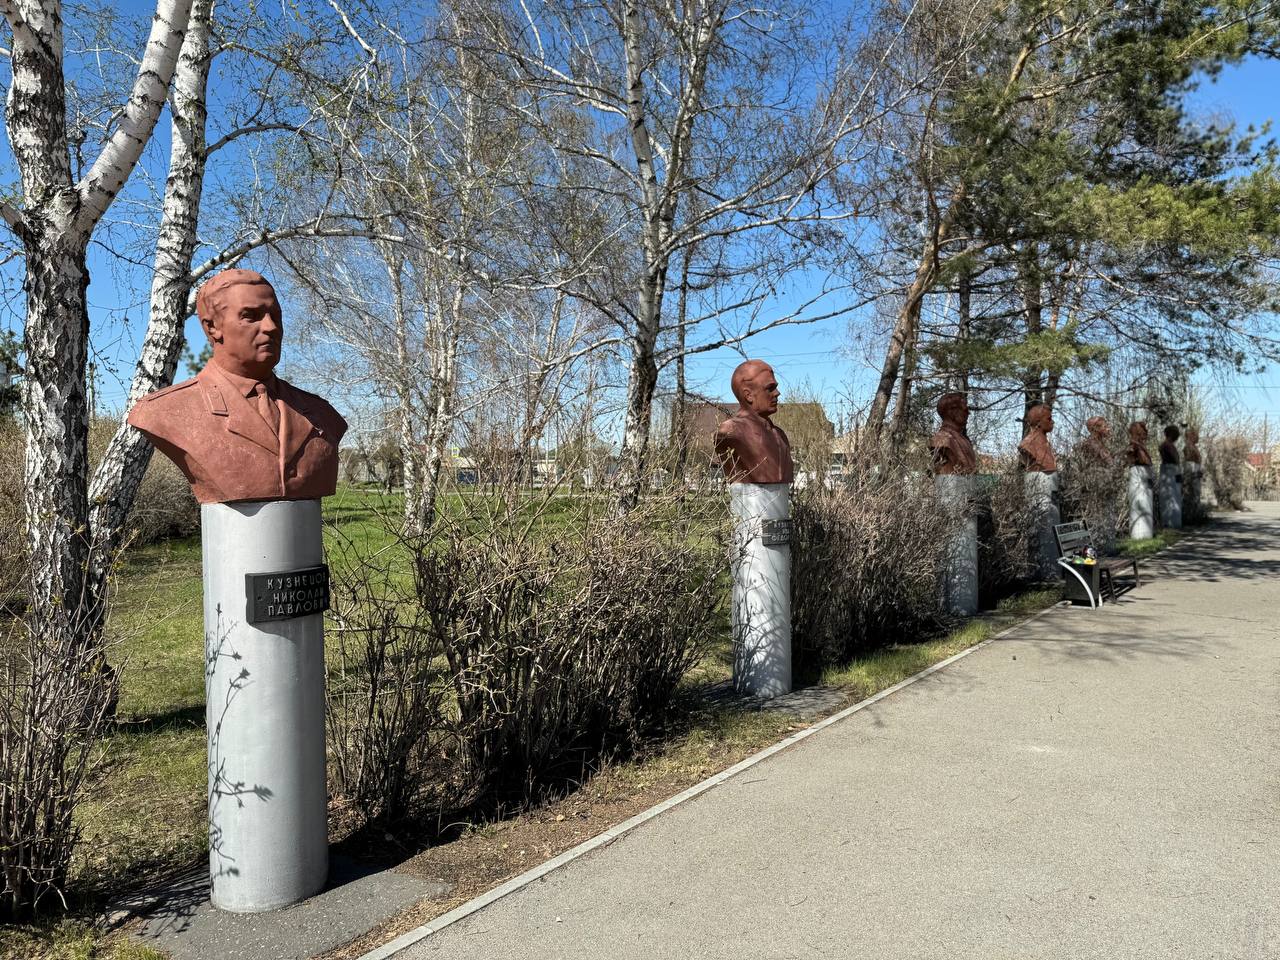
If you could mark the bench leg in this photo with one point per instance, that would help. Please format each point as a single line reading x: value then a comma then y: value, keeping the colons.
x: 1137, y: 577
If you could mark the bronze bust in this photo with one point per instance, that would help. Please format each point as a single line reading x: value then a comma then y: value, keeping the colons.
x: 749, y: 446
x: 1138, y: 455
x: 1096, y: 445
x: 236, y: 430
x: 1035, y: 452
x: 1191, y: 446
x: 950, y: 445
x: 1169, y: 446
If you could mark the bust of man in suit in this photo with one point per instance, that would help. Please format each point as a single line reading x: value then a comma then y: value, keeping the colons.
x: 1096, y: 444
x: 236, y: 430
x: 1138, y: 455
x: 750, y: 447
x: 950, y: 445
x: 1169, y: 448
x: 1191, y: 446
x: 1035, y: 453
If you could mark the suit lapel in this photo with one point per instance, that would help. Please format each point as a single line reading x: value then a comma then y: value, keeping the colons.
x: 295, y: 427
x: 242, y: 416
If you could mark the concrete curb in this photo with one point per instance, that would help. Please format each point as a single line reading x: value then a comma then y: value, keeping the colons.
x: 393, y: 947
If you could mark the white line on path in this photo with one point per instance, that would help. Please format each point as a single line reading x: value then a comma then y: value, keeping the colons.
x: 387, y: 950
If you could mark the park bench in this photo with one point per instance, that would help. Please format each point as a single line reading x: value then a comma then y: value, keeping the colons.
x: 1086, y: 581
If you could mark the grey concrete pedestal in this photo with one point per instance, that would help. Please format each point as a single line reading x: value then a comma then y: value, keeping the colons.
x: 264, y: 688
x: 960, y: 570
x: 1171, y: 496
x: 1142, y: 517
x: 1041, y: 492
x: 761, y: 588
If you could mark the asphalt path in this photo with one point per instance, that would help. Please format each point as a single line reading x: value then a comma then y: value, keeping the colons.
x: 1096, y: 784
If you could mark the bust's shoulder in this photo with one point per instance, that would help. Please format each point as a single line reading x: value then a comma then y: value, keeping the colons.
x: 170, y: 391
x: 321, y: 411
x: 159, y: 411
x: 730, y: 425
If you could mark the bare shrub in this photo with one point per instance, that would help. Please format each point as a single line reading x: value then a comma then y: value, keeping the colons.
x: 57, y: 695
x: 386, y: 688
x: 165, y: 506
x: 566, y: 627
x: 1093, y: 490
x: 1225, y: 468
x: 866, y: 560
x: 1006, y: 531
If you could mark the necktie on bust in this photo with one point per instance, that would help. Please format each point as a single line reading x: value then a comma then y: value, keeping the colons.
x: 267, y: 408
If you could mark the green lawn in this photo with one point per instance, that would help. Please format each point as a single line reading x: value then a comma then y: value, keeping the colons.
x: 1140, y: 549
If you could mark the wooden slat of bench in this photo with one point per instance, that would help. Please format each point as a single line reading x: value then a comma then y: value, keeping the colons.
x: 1117, y: 563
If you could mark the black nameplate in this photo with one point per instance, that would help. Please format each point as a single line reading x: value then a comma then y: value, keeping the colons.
x: 288, y: 594
x: 775, y: 533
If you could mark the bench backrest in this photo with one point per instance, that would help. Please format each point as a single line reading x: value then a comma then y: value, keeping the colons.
x: 1071, y: 537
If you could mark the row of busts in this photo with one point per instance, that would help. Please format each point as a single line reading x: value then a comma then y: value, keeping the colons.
x: 953, y: 452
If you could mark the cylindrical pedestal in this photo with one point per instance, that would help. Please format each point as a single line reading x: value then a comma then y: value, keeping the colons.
x: 960, y: 571
x: 1142, y: 517
x: 1171, y: 496
x: 1193, y: 507
x: 1041, y: 490
x: 761, y: 588
x: 264, y: 690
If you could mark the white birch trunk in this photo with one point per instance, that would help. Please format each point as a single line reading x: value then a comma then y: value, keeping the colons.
x: 55, y: 225
x: 119, y: 474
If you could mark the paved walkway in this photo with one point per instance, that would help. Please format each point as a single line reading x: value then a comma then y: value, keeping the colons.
x: 1095, y: 785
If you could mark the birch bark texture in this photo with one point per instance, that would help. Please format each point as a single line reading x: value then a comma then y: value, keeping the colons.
x: 55, y: 223
x: 115, y: 482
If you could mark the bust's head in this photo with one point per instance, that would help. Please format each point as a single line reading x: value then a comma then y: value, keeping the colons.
x: 755, y: 387
x: 953, y: 408
x: 1171, y: 433
x: 241, y: 316
x: 1193, y: 436
x: 1138, y: 432
x: 1098, y: 427
x: 1040, y: 417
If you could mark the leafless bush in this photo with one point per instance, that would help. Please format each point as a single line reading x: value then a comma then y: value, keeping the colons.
x: 1093, y: 490
x: 387, y: 695
x: 164, y: 507
x: 56, y: 697
x: 866, y: 560
x: 1006, y: 531
x: 566, y: 627
x: 1224, y: 466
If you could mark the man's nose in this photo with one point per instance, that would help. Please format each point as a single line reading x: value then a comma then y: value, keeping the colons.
x: 270, y: 324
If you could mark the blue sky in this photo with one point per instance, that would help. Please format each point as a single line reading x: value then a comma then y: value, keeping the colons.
x: 820, y: 358
x: 817, y: 359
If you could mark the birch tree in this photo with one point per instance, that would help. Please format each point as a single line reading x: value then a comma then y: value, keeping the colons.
x: 54, y: 222
x: 710, y: 124
x: 469, y: 274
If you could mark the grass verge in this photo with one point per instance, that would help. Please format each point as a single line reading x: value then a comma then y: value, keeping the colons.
x: 1140, y: 549
x: 68, y: 940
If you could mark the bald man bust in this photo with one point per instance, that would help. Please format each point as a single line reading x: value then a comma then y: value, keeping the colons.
x: 1035, y: 453
x: 236, y: 430
x: 749, y: 446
